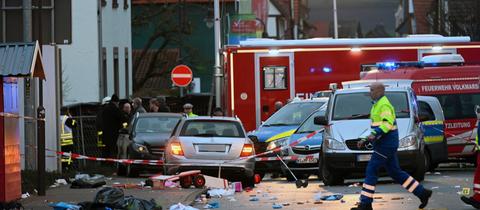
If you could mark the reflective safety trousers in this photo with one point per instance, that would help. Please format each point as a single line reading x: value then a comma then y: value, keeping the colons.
x: 384, y: 125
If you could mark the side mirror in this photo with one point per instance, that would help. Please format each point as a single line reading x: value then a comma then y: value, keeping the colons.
x: 123, y: 131
x: 320, y: 120
x: 253, y: 138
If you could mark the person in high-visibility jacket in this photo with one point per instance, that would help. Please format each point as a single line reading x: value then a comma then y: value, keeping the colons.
x: 66, y: 135
x: 188, y: 110
x: 384, y: 137
x: 475, y: 199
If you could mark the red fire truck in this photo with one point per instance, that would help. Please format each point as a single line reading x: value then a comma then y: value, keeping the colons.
x: 260, y: 72
x: 456, y: 87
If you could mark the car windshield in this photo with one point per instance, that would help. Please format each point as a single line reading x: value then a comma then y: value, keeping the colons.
x: 292, y: 114
x: 358, y: 105
x: 156, y: 124
x: 212, y: 128
x: 308, y: 126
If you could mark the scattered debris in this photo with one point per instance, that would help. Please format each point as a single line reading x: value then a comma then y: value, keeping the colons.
x: 356, y: 184
x: 397, y: 198
x: 332, y: 197
x: 317, y: 196
x: 64, y: 206
x: 170, y: 184
x: 437, y: 173
x: 61, y: 181
x: 276, y: 206
x: 221, y: 192
x: 318, y: 202
x: 253, y: 199
x: 436, y: 187
x: 300, y: 203
x: 87, y: 181
x: 212, y: 205
x: 237, y: 186
x: 109, y: 195
x: 25, y: 195
x: 378, y: 198
x: 285, y: 204
x: 342, y: 201
x: 231, y: 199
x: 180, y: 206
x: 457, y: 186
x: 466, y: 191
x: 273, y: 198
x: 214, y: 182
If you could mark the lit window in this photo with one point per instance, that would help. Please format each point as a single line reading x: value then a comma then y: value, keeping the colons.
x: 274, y: 77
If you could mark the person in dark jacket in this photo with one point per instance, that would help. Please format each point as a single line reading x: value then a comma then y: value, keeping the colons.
x: 163, y: 107
x: 112, y: 119
x: 126, y: 112
x: 137, y: 106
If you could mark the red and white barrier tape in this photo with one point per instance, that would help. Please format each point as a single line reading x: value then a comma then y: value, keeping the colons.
x: 161, y: 162
x: 293, y: 157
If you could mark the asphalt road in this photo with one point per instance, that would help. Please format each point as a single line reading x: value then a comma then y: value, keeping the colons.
x: 447, y: 184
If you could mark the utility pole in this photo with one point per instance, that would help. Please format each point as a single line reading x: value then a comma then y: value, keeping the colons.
x: 29, y: 94
x: 41, y: 118
x: 335, y: 21
x: 218, y: 72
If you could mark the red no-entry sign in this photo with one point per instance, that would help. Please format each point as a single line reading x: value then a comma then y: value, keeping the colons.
x: 182, y: 75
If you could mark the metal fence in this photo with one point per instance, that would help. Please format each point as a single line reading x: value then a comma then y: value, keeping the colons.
x: 85, y: 140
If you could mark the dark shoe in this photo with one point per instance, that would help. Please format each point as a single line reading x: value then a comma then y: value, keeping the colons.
x: 363, y: 206
x: 424, y: 198
x: 470, y: 201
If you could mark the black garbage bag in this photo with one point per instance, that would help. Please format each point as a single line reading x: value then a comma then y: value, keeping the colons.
x: 87, y: 181
x: 132, y: 203
x: 113, y: 197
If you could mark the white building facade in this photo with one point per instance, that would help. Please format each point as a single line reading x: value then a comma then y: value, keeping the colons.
x: 98, y: 61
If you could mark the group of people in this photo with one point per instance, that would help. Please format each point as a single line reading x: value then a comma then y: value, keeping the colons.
x: 114, y: 116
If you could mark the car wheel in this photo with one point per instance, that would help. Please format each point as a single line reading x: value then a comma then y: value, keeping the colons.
x: 132, y: 170
x: 121, y: 169
x: 329, y: 177
x: 419, y: 173
x: 248, y: 181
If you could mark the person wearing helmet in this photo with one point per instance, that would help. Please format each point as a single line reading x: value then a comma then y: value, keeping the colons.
x: 188, y: 110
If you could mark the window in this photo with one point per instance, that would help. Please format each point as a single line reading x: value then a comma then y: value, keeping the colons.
x: 274, y: 77
x: 127, y: 73
x: 210, y: 128
x: 308, y: 125
x: 459, y: 106
x: 156, y: 124
x: 426, y: 111
x: 125, y: 4
x: 359, y: 105
x: 116, y: 73
x: 292, y: 114
x: 50, y: 24
x: 104, y: 72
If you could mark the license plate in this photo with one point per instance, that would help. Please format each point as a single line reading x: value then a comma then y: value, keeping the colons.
x: 364, y: 158
x: 307, y: 160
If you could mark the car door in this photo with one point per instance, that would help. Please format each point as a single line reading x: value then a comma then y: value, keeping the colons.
x: 432, y: 123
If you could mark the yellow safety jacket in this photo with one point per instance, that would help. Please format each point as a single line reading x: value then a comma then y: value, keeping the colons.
x: 66, y: 138
x: 192, y: 115
x: 384, y: 122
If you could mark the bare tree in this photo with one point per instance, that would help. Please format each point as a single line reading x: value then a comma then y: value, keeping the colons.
x: 456, y: 18
x: 167, y: 25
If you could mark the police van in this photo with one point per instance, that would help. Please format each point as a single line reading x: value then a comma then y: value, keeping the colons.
x: 347, y: 121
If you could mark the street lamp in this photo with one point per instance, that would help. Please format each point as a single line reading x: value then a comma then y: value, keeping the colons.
x: 264, y: 33
x: 335, y: 21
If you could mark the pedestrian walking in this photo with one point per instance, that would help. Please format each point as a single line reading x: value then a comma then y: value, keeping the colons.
x: 188, y: 110
x: 475, y: 199
x: 111, y: 124
x: 384, y: 137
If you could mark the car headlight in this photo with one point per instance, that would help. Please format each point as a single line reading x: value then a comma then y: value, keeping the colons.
x: 408, y: 141
x: 278, y: 143
x: 334, y: 144
x: 140, y: 148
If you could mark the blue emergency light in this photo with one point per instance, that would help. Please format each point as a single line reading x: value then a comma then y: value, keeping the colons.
x: 392, y: 66
x: 327, y: 69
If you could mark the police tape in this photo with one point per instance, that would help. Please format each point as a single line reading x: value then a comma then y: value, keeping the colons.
x: 293, y: 157
x: 455, y: 136
x: 12, y: 115
x: 161, y: 162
